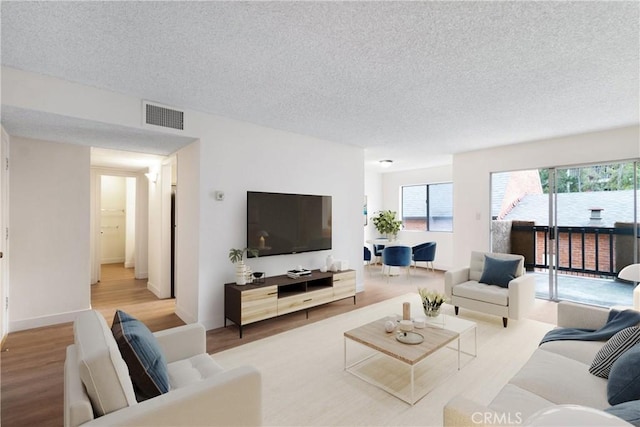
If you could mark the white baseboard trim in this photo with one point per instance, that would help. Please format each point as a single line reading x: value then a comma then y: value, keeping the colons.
x: 157, y: 291
x: 38, y: 322
x: 111, y: 260
x: 154, y: 290
x: 185, y: 316
x: 129, y: 265
x: 139, y: 275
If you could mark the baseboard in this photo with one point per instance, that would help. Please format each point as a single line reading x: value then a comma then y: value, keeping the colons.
x: 186, y: 317
x: 38, y: 322
x: 154, y: 290
x: 129, y: 265
x: 157, y: 291
x: 112, y: 260
x: 139, y: 275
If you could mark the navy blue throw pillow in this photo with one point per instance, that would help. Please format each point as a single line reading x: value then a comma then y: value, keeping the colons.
x: 499, y: 272
x: 628, y: 411
x: 141, y: 352
x: 624, y: 378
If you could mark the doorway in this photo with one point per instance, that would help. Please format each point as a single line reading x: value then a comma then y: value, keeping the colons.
x: 117, y: 227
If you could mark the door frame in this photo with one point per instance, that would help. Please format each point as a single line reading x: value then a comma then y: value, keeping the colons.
x: 4, y: 234
x: 141, y: 220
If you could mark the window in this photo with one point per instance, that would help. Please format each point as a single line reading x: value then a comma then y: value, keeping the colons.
x: 428, y: 207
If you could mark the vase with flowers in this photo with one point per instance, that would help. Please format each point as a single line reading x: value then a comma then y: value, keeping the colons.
x: 431, y: 301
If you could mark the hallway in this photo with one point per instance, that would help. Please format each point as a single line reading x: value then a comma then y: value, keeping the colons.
x: 118, y: 289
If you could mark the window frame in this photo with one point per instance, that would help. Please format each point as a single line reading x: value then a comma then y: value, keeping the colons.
x: 428, y: 204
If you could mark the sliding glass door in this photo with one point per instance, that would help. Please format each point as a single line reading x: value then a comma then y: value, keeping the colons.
x: 592, y: 215
x: 576, y: 227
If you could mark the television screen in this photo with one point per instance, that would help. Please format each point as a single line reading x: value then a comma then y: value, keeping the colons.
x: 279, y: 223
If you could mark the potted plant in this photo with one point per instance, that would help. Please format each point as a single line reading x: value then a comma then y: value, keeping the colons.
x: 236, y: 256
x: 387, y: 224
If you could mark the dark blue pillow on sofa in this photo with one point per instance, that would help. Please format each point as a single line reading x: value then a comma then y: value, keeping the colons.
x: 499, y: 272
x: 143, y: 356
x: 628, y: 411
x: 624, y: 378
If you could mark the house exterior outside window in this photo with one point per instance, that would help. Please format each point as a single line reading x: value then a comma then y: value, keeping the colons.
x: 428, y: 207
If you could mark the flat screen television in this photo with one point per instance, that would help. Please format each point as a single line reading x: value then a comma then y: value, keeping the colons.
x: 280, y: 223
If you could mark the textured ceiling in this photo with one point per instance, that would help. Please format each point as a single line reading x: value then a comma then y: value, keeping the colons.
x: 410, y: 81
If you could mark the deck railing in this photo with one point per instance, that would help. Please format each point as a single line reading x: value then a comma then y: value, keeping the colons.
x: 584, y: 250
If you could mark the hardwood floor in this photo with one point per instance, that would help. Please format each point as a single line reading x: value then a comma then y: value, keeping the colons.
x: 32, y: 361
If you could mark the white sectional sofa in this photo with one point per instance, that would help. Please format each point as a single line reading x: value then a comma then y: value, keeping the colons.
x: 99, y: 392
x: 556, y: 374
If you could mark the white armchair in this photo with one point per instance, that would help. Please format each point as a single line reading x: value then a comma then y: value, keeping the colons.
x: 463, y: 288
x: 98, y: 390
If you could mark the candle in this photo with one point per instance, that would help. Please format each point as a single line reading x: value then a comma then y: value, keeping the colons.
x: 406, y: 311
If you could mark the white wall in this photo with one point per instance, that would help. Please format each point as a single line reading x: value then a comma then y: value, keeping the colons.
x: 373, y: 191
x: 130, y: 235
x: 187, y: 232
x: 237, y: 157
x: 49, y: 215
x: 391, y: 184
x: 230, y: 156
x: 160, y: 232
x: 472, y: 170
x: 113, y: 204
x: 141, y: 250
x: 4, y: 242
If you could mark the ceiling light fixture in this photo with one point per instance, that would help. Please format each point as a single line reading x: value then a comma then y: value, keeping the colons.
x: 385, y: 163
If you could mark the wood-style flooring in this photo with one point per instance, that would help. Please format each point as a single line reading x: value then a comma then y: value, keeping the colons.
x: 32, y: 361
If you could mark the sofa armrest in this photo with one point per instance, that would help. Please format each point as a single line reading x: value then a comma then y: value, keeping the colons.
x: 182, y: 342
x: 231, y: 398
x: 522, y: 296
x: 463, y: 412
x: 574, y: 315
x: 77, y: 406
x: 453, y: 278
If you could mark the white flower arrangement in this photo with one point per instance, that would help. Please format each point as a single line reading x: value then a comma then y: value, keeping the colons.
x: 431, y: 300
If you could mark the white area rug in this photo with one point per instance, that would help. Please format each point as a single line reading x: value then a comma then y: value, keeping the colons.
x: 304, y: 382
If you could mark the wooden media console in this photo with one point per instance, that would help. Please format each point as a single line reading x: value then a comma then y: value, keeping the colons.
x: 278, y: 295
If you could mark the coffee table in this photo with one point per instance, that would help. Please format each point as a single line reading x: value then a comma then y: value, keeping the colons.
x: 408, y: 371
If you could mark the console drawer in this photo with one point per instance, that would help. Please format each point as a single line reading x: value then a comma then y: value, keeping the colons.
x: 259, y: 304
x: 304, y: 300
x: 344, y: 284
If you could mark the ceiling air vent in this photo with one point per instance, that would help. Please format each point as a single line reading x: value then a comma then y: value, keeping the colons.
x: 162, y: 116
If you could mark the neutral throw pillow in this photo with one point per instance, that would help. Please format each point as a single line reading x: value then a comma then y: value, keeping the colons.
x: 628, y: 411
x: 499, y: 271
x: 624, y: 378
x: 143, y: 356
x: 613, y: 349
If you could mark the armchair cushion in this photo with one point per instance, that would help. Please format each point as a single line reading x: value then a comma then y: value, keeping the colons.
x: 140, y: 350
x: 499, y: 272
x: 482, y: 292
x: 189, y: 371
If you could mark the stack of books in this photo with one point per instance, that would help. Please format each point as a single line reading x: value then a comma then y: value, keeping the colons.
x: 294, y: 274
